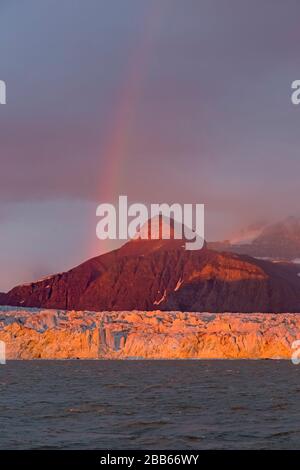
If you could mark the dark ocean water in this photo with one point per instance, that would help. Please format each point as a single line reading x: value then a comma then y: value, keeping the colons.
x: 150, y: 405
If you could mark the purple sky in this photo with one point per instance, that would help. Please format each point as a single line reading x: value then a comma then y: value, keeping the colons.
x: 165, y: 101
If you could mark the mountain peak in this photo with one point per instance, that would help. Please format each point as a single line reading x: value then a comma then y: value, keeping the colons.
x: 160, y: 228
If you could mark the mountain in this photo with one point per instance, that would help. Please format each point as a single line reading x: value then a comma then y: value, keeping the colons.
x: 279, y: 241
x: 161, y: 275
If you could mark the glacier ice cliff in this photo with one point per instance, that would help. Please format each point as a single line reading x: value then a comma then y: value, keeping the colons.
x: 59, y: 334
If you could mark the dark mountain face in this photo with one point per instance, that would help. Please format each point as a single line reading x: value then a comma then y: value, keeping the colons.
x: 162, y: 275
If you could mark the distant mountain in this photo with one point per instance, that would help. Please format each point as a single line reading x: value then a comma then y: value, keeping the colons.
x: 162, y: 275
x: 279, y: 241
